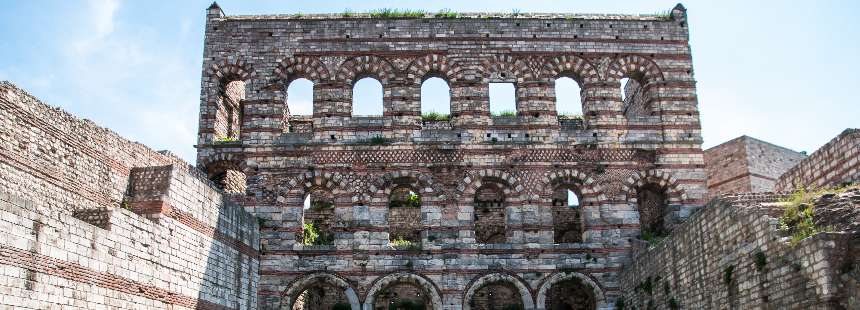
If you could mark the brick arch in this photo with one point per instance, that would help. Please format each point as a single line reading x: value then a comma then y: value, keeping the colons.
x: 225, y: 71
x: 292, y: 68
x: 663, y: 179
x: 546, y: 285
x: 295, y: 189
x: 642, y: 69
x: 577, y: 68
x: 433, y: 65
x: 513, y: 190
x: 479, y: 282
x: 509, y: 65
x: 365, y: 66
x: 421, y: 183
x: 221, y: 160
x: 404, y: 277
x: 591, y: 191
x: 307, y: 280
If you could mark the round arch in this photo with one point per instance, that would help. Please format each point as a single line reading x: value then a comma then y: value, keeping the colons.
x: 634, y: 66
x: 292, y: 68
x: 478, y: 283
x: 404, y: 277
x: 663, y: 179
x: 308, y: 280
x: 513, y: 190
x: 547, y: 284
x: 579, y: 69
x: 433, y: 65
x: 359, y: 67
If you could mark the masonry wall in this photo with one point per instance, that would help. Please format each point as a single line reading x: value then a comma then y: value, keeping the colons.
x: 835, y: 163
x: 359, y: 159
x: 91, y: 220
x: 689, y: 270
x: 746, y: 164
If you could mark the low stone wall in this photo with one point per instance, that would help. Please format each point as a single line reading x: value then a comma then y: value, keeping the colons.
x: 835, y: 163
x: 732, y: 255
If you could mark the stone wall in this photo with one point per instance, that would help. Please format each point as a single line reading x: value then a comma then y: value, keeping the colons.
x: 465, y: 238
x: 835, y: 163
x: 732, y: 255
x: 746, y: 164
x: 91, y: 220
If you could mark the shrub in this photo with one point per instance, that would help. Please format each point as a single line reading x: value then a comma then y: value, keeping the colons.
x: 226, y: 139
x: 760, y: 260
x: 396, y: 13
x: 446, y: 13
x: 378, y: 140
x: 311, y: 235
x: 653, y: 238
x: 619, y: 304
x: 341, y: 306
x: 434, y: 116
x: 402, y: 244
x: 727, y: 274
x: 412, y: 201
x: 798, y: 217
x: 505, y: 113
x: 346, y: 13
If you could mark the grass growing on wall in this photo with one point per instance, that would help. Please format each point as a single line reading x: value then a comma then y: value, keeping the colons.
x: 402, y: 244
x: 798, y: 219
x: 397, y: 13
x: 505, y: 113
x: 434, y: 116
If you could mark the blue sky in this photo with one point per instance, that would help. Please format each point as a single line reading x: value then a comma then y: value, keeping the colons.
x: 782, y: 71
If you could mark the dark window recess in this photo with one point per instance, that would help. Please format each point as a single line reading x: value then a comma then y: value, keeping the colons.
x: 617, y: 37
x: 548, y: 25
x: 527, y: 135
x: 488, y: 135
x: 509, y: 135
x: 347, y: 36
x: 332, y: 137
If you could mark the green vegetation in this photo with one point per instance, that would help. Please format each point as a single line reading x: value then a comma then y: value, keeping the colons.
x: 311, y: 235
x: 341, y: 306
x: 412, y: 201
x: 406, y: 304
x: 760, y: 260
x: 798, y: 217
x: 727, y: 274
x: 647, y: 286
x: 379, y: 140
x: 505, y: 113
x: 619, y: 304
x: 226, y: 139
x: 347, y: 13
x: 397, y: 13
x: 673, y: 304
x: 570, y: 116
x: 653, y: 237
x: 407, y: 245
x: 446, y: 13
x: 663, y: 15
x: 434, y: 116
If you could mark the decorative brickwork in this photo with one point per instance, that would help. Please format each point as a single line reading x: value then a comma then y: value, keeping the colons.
x: 492, y: 189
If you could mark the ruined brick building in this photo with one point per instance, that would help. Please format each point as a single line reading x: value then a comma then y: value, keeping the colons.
x: 494, y: 217
x: 333, y: 210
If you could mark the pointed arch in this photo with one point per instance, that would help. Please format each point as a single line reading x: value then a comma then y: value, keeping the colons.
x: 225, y: 71
x: 499, y: 277
x: 302, y: 283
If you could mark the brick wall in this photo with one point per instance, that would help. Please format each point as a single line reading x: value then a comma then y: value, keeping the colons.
x: 712, y: 261
x: 91, y: 220
x: 835, y: 163
x: 746, y: 164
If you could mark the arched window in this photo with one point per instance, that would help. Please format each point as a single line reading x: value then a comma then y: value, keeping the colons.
x: 653, y: 208
x: 318, y: 218
x: 497, y: 295
x: 300, y: 97
x: 489, y: 205
x: 435, y: 99
x: 624, y: 82
x: 632, y: 96
x: 571, y: 294
x: 503, y: 99
x: 404, y: 217
x: 566, y: 214
x: 367, y: 97
x: 321, y: 295
x: 228, y: 119
x: 568, y: 97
